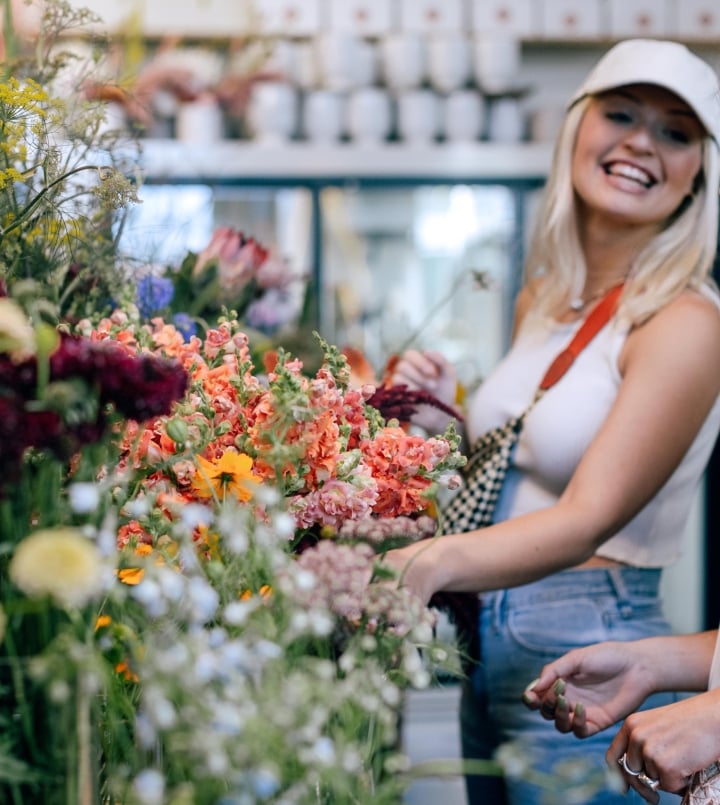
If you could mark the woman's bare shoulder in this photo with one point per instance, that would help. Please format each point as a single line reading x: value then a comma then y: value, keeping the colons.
x: 686, y: 327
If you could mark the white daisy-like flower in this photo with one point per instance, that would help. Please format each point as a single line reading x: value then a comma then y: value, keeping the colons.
x: 17, y: 336
x: 60, y: 563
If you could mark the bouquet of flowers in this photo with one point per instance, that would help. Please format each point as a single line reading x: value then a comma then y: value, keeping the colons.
x: 331, y: 455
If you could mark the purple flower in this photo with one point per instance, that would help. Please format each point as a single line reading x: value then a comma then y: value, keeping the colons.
x: 185, y: 324
x: 154, y: 294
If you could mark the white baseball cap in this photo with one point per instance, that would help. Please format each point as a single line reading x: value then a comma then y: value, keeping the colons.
x: 666, y: 64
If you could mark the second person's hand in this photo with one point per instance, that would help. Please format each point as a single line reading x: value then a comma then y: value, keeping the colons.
x: 590, y: 689
x: 427, y: 371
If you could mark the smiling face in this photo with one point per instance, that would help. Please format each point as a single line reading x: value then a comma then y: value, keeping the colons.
x: 637, y: 152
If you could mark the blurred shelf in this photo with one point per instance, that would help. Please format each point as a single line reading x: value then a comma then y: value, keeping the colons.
x: 232, y: 161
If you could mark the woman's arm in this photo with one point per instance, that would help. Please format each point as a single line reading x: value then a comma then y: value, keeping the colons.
x: 671, y: 378
x: 591, y: 688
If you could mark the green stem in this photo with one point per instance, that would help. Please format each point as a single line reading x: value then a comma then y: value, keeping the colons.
x: 11, y: 47
x: 25, y: 212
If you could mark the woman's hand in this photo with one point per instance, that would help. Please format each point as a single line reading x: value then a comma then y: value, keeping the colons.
x: 669, y: 743
x: 415, y: 568
x: 589, y: 689
x: 430, y: 372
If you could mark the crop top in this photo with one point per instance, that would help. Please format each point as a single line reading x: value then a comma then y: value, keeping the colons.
x: 560, y: 427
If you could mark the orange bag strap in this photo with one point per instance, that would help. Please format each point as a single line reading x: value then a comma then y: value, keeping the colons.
x: 598, y: 317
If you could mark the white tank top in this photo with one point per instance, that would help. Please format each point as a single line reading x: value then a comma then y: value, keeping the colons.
x: 561, y: 426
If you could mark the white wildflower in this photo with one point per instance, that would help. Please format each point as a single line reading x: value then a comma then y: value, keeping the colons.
x: 59, y: 691
x: 236, y: 613
x: 171, y: 583
x: 268, y: 650
x: 420, y: 679
x: 284, y: 525
x: 323, y: 751
x: 412, y: 661
x: 265, y: 783
x: 204, y: 599
x: 422, y: 633
x: 321, y: 623
x: 205, y: 666
x: 83, y: 497
x: 195, y: 514
x: 149, y: 594
x: 160, y: 709
x: 137, y: 508
x: 145, y: 731
x: 305, y: 580
x: 149, y: 787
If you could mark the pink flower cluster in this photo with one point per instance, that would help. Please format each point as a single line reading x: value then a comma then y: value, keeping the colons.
x: 342, y: 576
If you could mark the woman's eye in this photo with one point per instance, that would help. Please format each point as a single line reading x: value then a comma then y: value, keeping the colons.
x: 676, y: 136
x: 619, y: 116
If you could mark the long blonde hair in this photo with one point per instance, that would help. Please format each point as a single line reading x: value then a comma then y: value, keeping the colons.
x: 680, y: 257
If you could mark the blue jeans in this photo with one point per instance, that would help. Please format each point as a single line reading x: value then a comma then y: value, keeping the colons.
x: 521, y: 630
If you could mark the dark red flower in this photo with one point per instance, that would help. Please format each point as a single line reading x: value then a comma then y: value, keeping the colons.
x: 139, y: 386
x: 400, y: 402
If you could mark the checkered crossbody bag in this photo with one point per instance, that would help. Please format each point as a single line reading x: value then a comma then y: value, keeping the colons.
x: 474, y: 505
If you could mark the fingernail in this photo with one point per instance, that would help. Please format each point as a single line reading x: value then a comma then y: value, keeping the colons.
x: 559, y: 687
x: 579, y: 709
x: 532, y: 685
x: 562, y: 702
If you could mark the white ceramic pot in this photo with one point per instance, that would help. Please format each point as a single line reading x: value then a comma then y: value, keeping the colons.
x: 403, y: 60
x: 323, y: 116
x: 273, y: 111
x: 200, y: 121
x: 496, y: 62
x: 369, y: 116
x: 464, y: 116
x: 449, y: 61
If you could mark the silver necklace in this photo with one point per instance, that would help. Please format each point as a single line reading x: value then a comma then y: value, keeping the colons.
x: 579, y: 302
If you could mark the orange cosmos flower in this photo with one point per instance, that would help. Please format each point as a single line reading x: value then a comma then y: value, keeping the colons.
x: 265, y: 591
x: 134, y: 575
x: 102, y: 621
x: 232, y: 473
x: 126, y: 672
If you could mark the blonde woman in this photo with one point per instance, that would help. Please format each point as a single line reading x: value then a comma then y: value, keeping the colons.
x: 609, y: 460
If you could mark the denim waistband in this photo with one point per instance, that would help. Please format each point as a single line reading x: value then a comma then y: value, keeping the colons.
x: 620, y: 582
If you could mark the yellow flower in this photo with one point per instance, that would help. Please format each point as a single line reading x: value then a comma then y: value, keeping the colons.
x: 102, y: 621
x: 131, y: 575
x: 17, y: 336
x: 134, y: 575
x: 232, y: 473
x: 265, y: 591
x: 126, y: 672
x: 58, y: 562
